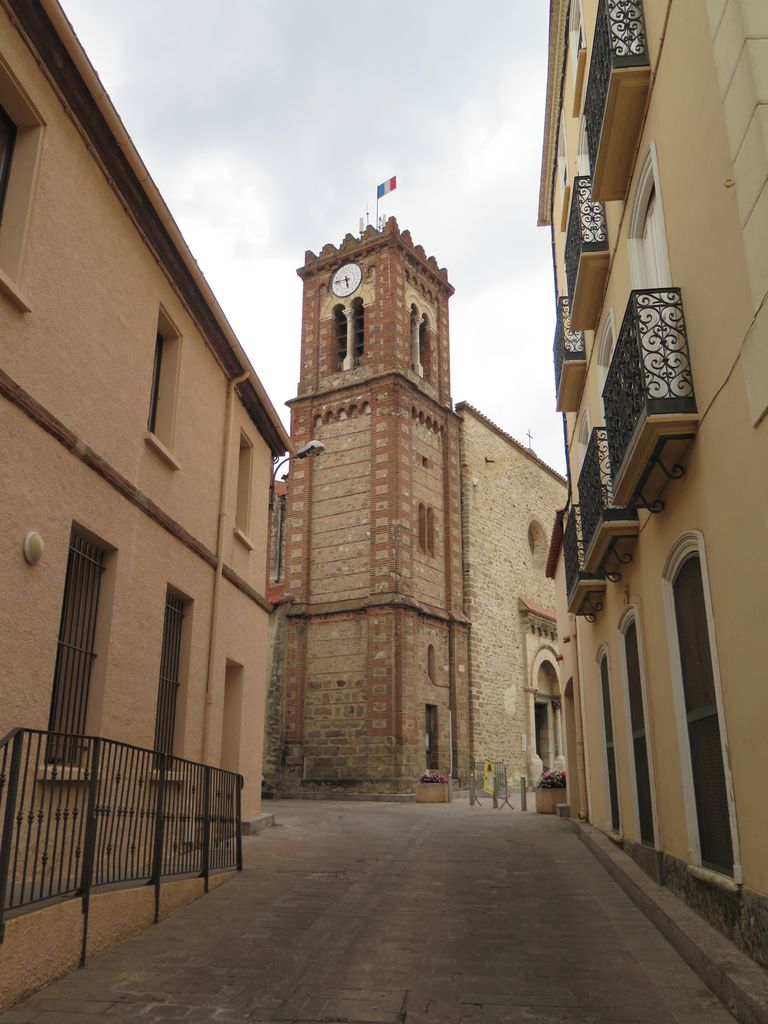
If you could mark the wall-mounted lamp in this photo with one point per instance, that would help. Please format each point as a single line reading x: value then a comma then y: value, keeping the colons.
x: 33, y: 547
x: 307, y: 451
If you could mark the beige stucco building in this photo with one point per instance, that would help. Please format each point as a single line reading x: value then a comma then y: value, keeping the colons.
x: 654, y: 187
x: 137, y: 439
x: 507, y: 500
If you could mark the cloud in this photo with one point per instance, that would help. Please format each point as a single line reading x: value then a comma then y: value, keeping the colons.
x: 267, y: 127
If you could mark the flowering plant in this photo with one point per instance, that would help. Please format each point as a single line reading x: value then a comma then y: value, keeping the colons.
x: 433, y: 776
x: 552, y: 779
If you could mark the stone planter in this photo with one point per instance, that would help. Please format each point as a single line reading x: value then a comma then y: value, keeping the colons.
x: 433, y: 792
x: 548, y: 799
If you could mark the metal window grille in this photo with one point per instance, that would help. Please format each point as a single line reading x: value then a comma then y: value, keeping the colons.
x: 639, y: 741
x: 169, y: 674
x: 155, y: 392
x: 609, y: 746
x: 703, y: 723
x: 7, y: 140
x: 75, y: 650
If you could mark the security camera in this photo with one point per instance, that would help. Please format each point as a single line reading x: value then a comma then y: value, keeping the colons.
x: 313, y: 447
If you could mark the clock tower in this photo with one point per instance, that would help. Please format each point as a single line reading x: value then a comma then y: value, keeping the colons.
x: 374, y: 654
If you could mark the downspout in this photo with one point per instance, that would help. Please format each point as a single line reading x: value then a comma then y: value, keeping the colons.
x: 223, y: 515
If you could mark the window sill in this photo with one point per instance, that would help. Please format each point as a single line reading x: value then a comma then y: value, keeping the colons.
x: 714, y: 878
x: 8, y: 288
x: 157, y: 446
x: 244, y: 539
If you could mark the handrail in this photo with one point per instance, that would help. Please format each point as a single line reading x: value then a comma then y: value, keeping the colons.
x: 77, y: 812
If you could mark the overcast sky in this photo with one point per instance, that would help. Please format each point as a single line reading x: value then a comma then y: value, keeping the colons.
x: 267, y: 125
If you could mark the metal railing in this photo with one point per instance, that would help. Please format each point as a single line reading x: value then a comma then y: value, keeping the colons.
x: 595, y: 492
x: 79, y: 812
x: 619, y: 42
x: 489, y: 778
x: 650, y: 372
x: 587, y: 229
x: 573, y: 549
x: 569, y: 344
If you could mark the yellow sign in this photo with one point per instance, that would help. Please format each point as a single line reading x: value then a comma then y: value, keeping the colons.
x: 488, y: 778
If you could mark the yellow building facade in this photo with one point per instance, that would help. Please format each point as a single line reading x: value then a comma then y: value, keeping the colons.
x: 653, y: 185
x: 137, y: 440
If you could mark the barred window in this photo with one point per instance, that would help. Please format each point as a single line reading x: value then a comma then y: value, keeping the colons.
x: 170, y: 656
x: 76, y: 650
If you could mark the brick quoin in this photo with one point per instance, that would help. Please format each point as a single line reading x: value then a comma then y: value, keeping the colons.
x: 362, y: 600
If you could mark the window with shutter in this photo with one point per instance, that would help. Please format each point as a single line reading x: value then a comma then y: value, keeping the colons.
x: 639, y: 742
x: 610, y: 754
x: 702, y: 718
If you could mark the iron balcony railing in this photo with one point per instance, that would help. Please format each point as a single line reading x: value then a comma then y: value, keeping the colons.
x: 569, y: 344
x: 587, y: 230
x: 619, y: 42
x: 573, y: 550
x: 650, y: 372
x: 596, y: 490
x: 78, y: 812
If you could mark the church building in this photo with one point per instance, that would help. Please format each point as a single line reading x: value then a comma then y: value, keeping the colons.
x: 370, y: 643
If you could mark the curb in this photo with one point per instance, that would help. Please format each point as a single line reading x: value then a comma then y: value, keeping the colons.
x: 738, y: 982
x: 253, y: 826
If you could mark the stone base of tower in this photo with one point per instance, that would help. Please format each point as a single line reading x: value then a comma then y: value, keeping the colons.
x: 374, y: 696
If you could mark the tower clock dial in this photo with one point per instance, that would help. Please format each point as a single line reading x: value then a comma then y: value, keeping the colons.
x: 346, y: 280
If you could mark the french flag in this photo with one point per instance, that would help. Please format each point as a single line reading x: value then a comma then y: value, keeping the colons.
x: 386, y: 187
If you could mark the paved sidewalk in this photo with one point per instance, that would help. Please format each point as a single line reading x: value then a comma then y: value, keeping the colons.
x: 392, y: 912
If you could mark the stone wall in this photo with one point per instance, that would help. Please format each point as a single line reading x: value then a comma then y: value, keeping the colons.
x: 508, y: 502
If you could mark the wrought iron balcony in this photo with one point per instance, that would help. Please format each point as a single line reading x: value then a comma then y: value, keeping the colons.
x: 607, y: 531
x: 585, y: 590
x: 650, y: 406
x: 570, y: 359
x: 586, y: 255
x: 619, y: 78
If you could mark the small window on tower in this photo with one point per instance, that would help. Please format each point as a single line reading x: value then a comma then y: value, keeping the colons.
x: 422, y: 528
x: 340, y: 335
x: 431, y: 662
x: 424, y: 349
x: 358, y: 331
x: 430, y: 531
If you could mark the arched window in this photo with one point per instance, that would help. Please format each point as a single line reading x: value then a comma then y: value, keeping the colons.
x: 358, y: 331
x: 422, y: 528
x: 340, y: 335
x: 537, y: 542
x: 610, y: 753
x: 430, y: 531
x: 425, y: 354
x: 639, y: 739
x: 649, y: 258
x: 431, y: 662
x: 703, y: 723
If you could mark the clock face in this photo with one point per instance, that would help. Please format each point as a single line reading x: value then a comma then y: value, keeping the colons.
x: 346, y: 279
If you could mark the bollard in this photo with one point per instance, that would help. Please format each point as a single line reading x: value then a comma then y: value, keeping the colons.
x: 523, y: 794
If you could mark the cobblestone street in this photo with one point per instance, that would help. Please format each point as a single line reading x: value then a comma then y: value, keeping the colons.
x: 387, y: 912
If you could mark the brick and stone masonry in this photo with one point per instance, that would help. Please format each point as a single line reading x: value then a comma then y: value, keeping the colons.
x: 370, y: 638
x: 508, y: 496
